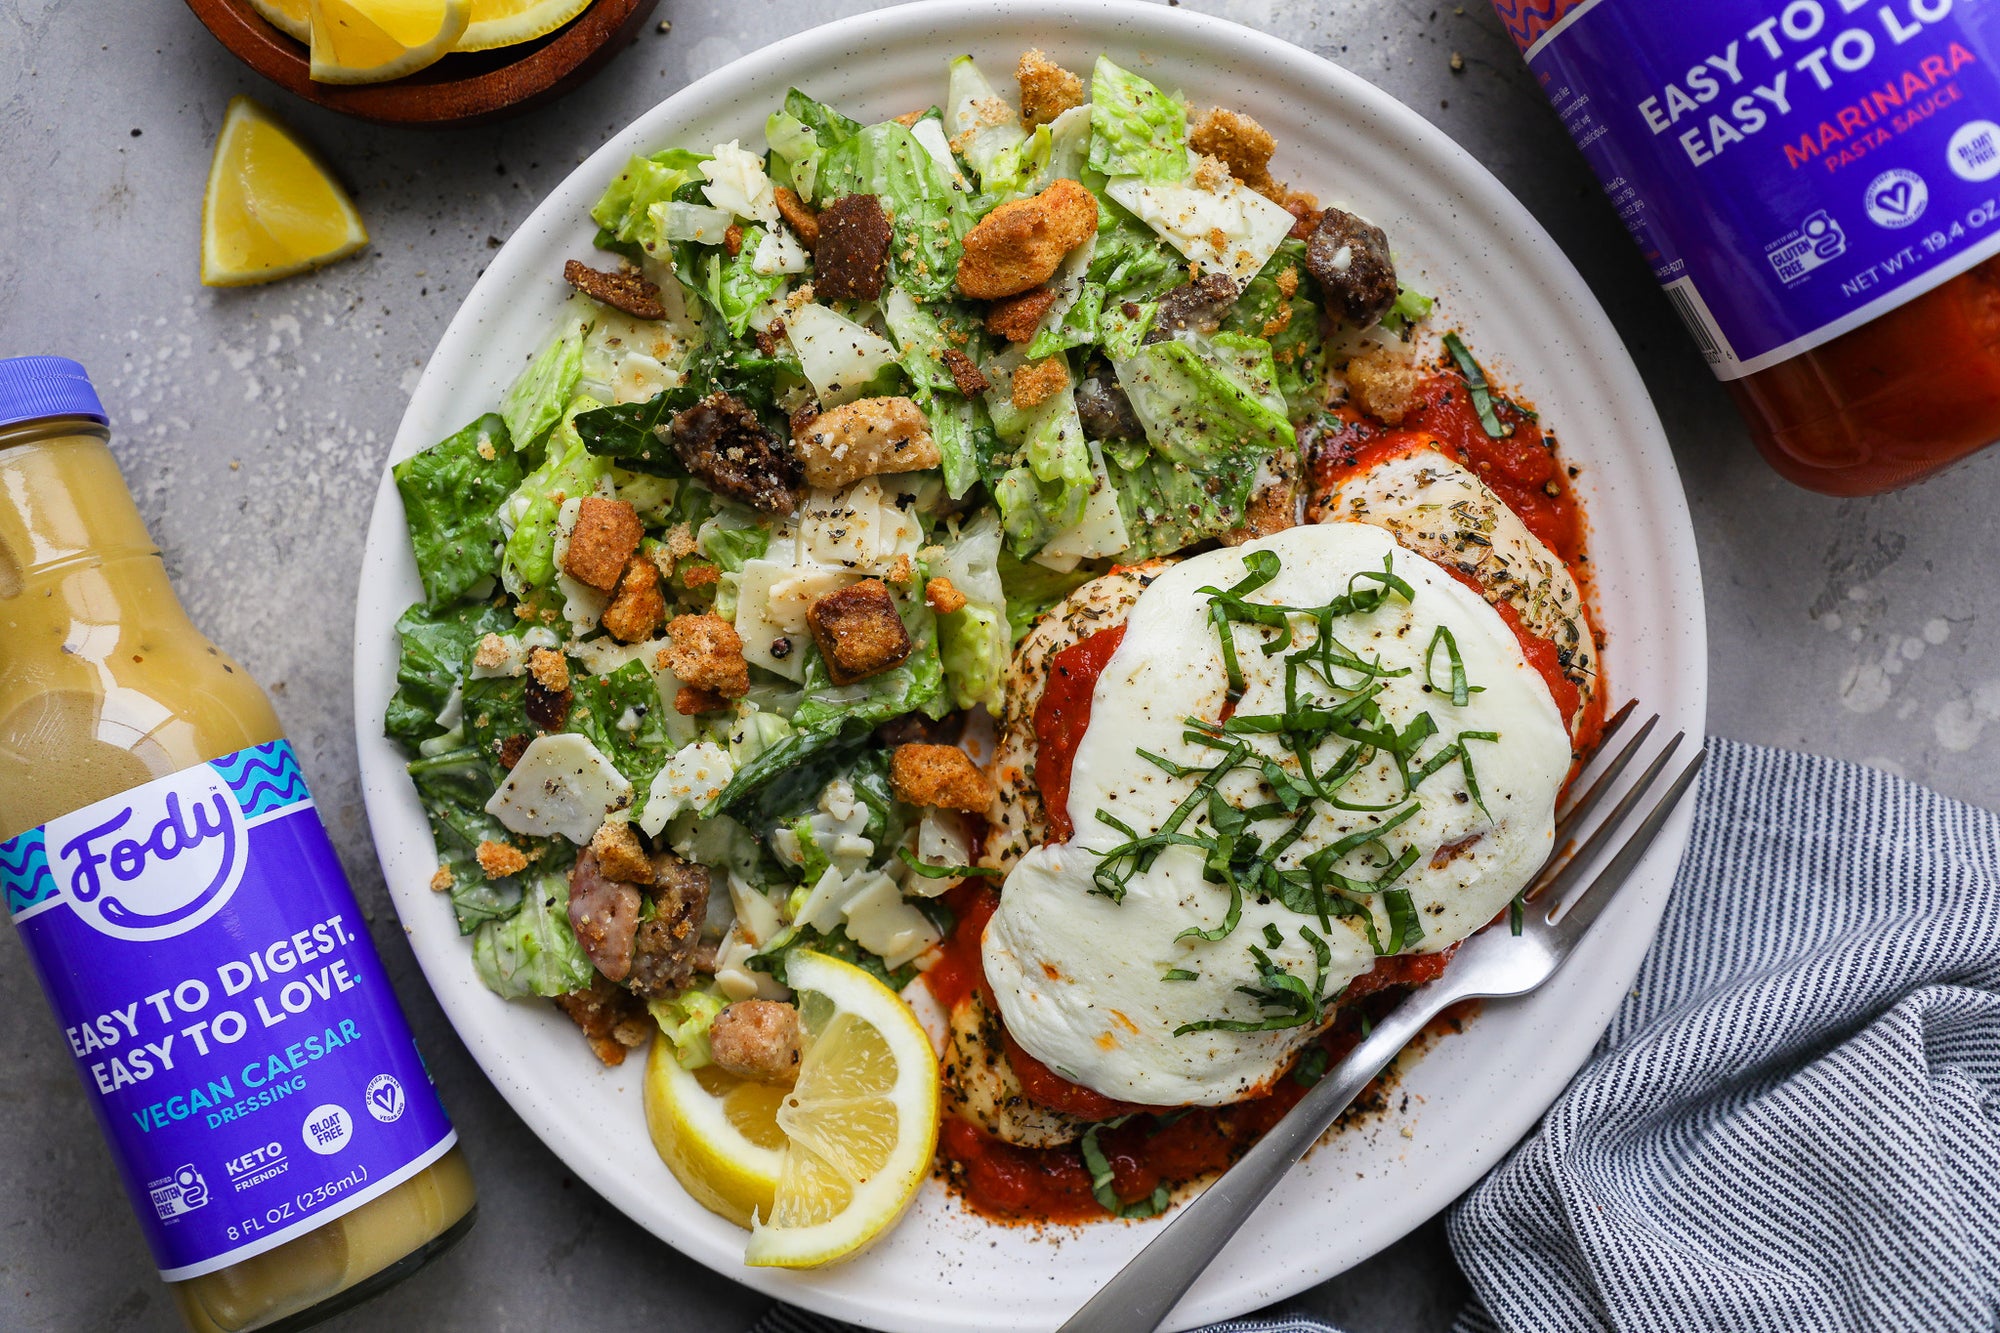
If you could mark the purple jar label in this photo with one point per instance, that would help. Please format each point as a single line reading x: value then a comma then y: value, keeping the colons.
x: 1791, y: 168
x: 231, y: 1021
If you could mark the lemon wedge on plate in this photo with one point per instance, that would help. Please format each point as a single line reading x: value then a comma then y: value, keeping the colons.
x: 505, y: 22
x: 287, y: 16
x: 860, y: 1124
x: 271, y: 210
x: 368, y: 41
x: 819, y: 1169
x: 717, y: 1133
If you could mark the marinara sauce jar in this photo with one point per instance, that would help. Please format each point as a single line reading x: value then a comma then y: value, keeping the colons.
x: 1816, y: 184
x: 178, y: 898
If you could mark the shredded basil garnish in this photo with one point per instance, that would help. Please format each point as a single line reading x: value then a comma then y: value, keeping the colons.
x: 1099, y: 1166
x: 1461, y: 689
x: 1476, y: 385
x: 1180, y: 974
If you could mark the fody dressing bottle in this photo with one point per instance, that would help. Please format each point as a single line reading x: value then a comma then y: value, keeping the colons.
x: 179, y: 899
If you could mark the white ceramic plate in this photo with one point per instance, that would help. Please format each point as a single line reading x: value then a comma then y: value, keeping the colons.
x: 1496, y: 273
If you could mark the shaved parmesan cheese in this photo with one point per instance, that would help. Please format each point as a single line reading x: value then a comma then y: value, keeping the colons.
x: 779, y: 252
x: 1230, y: 230
x: 737, y: 183
x: 694, y: 777
x: 678, y: 220
x: 562, y: 784
x: 880, y: 921
x: 836, y: 354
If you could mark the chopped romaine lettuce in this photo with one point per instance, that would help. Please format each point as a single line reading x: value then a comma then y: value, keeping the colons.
x: 928, y: 214
x: 973, y: 641
x: 732, y: 539
x: 624, y: 211
x: 1290, y: 323
x: 685, y: 1019
x: 1032, y: 589
x: 733, y: 288
x: 451, y: 494
x: 536, y: 399
x: 797, y: 144
x: 437, y: 649
x: 986, y: 127
x: 620, y: 714
x: 1135, y: 129
x: 1212, y: 413
x: 531, y: 511
x: 533, y: 951
x: 1411, y: 307
x: 830, y: 715
x: 455, y: 787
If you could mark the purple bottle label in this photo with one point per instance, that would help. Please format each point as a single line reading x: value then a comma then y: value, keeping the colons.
x: 1791, y: 168
x: 231, y: 1021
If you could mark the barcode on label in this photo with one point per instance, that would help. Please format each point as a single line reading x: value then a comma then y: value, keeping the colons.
x: 1700, y: 325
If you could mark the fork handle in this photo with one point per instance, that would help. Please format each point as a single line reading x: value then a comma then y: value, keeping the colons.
x: 1139, y: 1297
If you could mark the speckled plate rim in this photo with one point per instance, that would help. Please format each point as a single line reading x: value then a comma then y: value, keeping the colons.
x: 1497, y: 274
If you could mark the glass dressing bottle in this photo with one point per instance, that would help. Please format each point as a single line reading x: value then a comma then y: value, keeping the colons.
x: 184, y: 910
x: 1816, y: 185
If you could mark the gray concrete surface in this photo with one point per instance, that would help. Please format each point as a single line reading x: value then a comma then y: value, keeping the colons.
x: 253, y: 425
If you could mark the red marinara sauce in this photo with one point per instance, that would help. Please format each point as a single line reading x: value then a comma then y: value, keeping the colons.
x: 1521, y: 467
x: 1061, y: 718
x: 1170, y: 1146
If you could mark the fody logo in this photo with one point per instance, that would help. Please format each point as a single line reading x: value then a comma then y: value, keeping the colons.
x: 155, y: 862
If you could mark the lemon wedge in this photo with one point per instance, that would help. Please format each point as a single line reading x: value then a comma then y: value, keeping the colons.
x: 368, y: 41
x: 271, y: 210
x: 505, y: 22
x: 287, y: 16
x: 717, y: 1133
x: 860, y: 1125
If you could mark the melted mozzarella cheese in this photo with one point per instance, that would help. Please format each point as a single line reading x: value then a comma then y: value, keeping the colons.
x: 1081, y: 980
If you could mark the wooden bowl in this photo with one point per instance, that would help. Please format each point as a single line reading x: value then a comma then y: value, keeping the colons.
x: 460, y: 89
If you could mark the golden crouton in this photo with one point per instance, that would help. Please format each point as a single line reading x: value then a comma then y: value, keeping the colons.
x: 863, y: 438
x: 707, y: 652
x: 1039, y: 381
x: 1017, y: 317
x: 500, y: 859
x: 798, y: 216
x: 1244, y: 146
x: 758, y: 1040
x: 693, y: 701
x: 858, y: 631
x: 965, y: 372
x: 1047, y: 89
x: 1020, y: 244
x: 638, y: 607
x: 619, y: 855
x: 625, y: 289
x: 550, y: 669
x: 605, y: 535
x: 939, y: 775
x: 1383, y: 382
x: 491, y: 653
x: 943, y: 596
x: 443, y: 881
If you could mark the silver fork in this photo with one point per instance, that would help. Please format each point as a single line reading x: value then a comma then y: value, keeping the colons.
x: 1491, y: 964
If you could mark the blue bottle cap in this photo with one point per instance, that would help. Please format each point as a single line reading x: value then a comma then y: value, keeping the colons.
x: 33, y: 388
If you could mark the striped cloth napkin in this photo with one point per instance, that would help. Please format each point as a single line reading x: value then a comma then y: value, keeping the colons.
x: 1794, y: 1121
